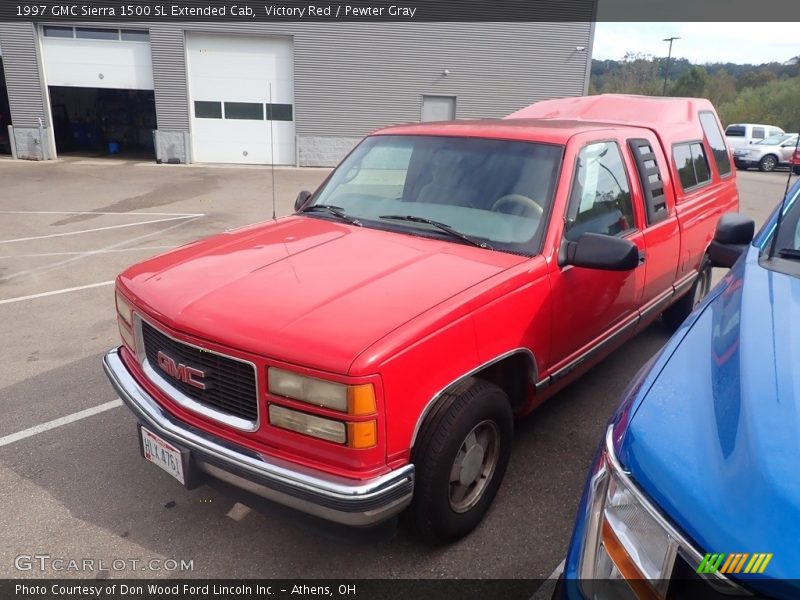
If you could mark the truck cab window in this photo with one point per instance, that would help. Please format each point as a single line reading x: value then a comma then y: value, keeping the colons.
x: 692, y: 164
x: 600, y: 201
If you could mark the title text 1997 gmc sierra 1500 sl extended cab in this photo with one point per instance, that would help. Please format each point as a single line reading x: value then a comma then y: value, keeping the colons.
x: 368, y: 353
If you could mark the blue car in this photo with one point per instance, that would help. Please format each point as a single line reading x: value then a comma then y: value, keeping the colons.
x: 695, y: 490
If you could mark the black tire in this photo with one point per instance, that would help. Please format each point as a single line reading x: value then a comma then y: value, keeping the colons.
x: 677, y: 313
x: 439, y: 512
x: 796, y: 169
x: 768, y: 163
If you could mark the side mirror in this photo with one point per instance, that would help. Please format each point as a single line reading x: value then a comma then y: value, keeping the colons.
x: 301, y: 200
x: 734, y: 233
x: 596, y: 251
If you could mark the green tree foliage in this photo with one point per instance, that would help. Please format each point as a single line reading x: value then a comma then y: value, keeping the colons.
x: 635, y: 74
x: 755, y: 78
x: 721, y: 88
x: 775, y: 103
x: 692, y: 83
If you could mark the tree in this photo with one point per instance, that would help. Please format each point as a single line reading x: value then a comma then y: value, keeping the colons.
x: 755, y: 78
x: 691, y: 84
x: 637, y: 74
x: 721, y: 88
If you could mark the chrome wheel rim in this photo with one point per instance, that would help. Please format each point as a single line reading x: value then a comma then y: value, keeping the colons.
x: 474, y: 466
x: 769, y: 163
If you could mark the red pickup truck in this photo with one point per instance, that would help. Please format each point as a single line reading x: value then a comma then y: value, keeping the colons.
x: 368, y: 353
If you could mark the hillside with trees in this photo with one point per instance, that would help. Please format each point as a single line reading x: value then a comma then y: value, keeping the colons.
x: 768, y: 93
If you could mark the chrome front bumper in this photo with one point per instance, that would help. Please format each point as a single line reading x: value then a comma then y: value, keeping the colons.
x: 358, y: 504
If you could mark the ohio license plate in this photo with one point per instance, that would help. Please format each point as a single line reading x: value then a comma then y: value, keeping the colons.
x: 160, y: 452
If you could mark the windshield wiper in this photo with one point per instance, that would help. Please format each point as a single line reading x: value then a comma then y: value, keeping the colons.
x: 336, y: 211
x: 792, y: 253
x: 441, y: 227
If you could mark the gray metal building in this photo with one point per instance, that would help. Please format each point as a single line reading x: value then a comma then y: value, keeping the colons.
x: 295, y: 93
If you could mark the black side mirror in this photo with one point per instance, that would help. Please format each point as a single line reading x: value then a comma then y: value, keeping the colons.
x: 734, y: 233
x: 596, y: 251
x: 301, y: 200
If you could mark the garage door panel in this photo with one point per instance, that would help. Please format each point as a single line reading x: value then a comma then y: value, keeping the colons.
x: 97, y: 64
x: 224, y: 68
x: 246, y: 142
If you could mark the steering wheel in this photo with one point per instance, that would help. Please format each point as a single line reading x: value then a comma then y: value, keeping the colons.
x: 529, y: 206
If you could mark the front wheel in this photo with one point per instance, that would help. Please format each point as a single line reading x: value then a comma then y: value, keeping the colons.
x: 768, y: 163
x: 460, y: 460
x: 677, y: 313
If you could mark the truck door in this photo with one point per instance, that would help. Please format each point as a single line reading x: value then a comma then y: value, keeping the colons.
x: 594, y: 307
x: 659, y: 223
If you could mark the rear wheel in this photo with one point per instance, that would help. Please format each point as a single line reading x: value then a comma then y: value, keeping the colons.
x: 768, y: 163
x: 677, y: 313
x: 460, y: 460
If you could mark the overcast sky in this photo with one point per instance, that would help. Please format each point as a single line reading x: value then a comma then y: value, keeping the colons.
x: 700, y: 42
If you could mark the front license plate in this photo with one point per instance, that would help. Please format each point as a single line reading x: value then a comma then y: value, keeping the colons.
x: 160, y: 452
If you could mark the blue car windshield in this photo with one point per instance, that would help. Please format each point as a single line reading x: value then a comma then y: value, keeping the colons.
x: 788, y: 243
x: 496, y: 193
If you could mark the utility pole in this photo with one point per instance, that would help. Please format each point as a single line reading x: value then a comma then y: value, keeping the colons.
x: 669, y: 56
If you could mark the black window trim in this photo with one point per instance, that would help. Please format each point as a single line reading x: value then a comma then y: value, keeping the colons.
x: 571, y: 204
x: 696, y: 186
x: 652, y: 215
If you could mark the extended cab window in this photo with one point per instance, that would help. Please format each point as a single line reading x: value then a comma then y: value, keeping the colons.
x: 600, y: 200
x: 718, y: 148
x: 735, y: 131
x: 758, y: 133
x: 692, y: 164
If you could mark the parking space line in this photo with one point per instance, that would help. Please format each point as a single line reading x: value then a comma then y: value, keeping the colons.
x: 93, y: 252
x: 238, y: 512
x: 96, y: 212
x: 545, y: 591
x: 55, y: 292
x: 43, y: 254
x: 30, y: 432
x: 66, y: 233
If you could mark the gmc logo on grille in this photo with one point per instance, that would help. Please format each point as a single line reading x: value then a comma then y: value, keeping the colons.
x: 181, y: 372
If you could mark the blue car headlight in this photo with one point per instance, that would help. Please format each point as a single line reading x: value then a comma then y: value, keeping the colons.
x: 625, y: 536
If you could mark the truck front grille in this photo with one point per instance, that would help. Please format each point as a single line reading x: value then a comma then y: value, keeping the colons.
x: 230, y: 384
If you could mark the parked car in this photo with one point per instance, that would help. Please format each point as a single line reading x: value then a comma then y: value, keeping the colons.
x: 796, y: 162
x: 368, y: 352
x: 744, y: 134
x: 695, y: 486
x: 768, y: 154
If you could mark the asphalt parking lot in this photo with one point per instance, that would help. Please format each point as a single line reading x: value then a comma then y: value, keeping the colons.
x: 72, y: 483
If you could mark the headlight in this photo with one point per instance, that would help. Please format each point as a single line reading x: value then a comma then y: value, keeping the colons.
x: 350, y: 399
x: 124, y: 309
x: 318, y: 427
x: 625, y: 538
x: 125, y: 321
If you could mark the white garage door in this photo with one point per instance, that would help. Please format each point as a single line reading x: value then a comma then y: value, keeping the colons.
x: 230, y: 82
x: 97, y: 57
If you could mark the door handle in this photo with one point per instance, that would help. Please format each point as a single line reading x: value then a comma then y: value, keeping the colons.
x: 642, y: 256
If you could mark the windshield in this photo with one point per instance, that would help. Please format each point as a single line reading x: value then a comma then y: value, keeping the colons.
x: 492, y: 191
x: 775, y: 140
x: 788, y: 243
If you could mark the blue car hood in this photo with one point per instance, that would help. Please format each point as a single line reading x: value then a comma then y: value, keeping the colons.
x: 715, y: 441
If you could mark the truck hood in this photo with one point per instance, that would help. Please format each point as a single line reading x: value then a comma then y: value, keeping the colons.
x: 305, y: 290
x: 715, y: 442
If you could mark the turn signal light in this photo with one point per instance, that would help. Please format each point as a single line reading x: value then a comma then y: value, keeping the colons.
x: 363, y: 434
